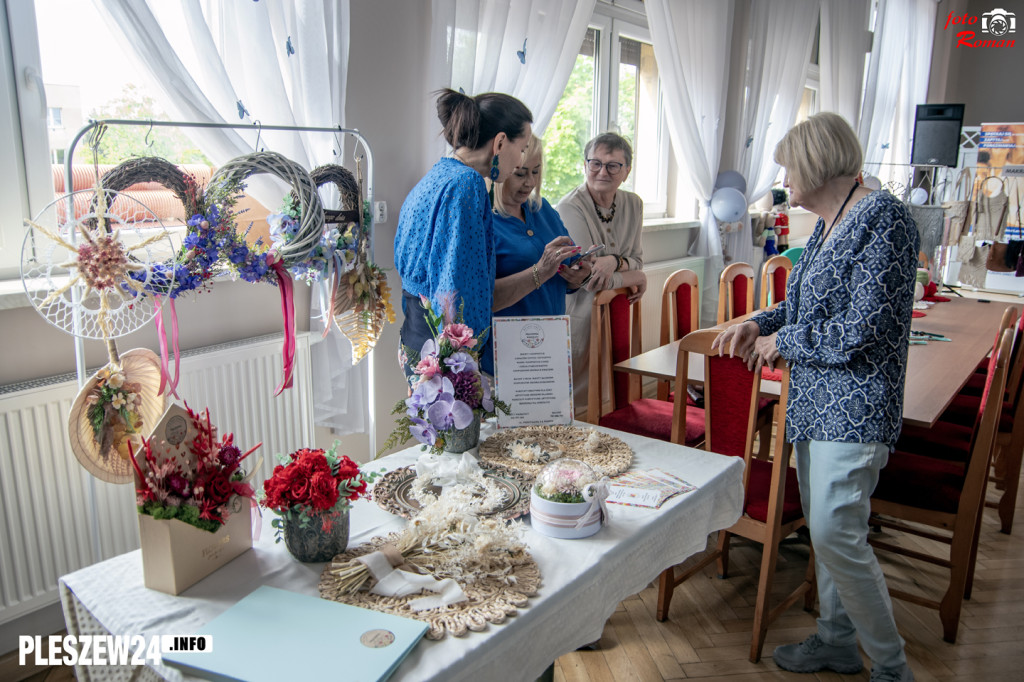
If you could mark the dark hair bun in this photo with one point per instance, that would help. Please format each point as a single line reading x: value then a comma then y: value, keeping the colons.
x: 474, y: 121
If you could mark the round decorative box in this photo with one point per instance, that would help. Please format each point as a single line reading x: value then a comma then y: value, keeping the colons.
x: 560, y: 519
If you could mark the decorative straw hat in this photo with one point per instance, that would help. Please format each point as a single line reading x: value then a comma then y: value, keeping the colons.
x: 99, y: 437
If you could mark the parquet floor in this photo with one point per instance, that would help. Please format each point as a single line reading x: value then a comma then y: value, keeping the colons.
x: 707, y: 636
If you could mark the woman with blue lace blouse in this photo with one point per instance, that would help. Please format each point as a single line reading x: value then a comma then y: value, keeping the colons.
x: 444, y: 244
x: 843, y: 328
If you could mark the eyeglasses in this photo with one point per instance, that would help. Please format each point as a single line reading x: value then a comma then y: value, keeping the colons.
x: 613, y: 167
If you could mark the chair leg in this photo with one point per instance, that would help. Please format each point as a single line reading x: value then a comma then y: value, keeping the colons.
x: 666, y: 586
x: 1008, y: 502
x: 769, y: 557
x: 723, y: 553
x: 764, y: 447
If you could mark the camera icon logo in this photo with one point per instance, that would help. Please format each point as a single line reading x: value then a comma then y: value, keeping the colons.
x: 998, y: 22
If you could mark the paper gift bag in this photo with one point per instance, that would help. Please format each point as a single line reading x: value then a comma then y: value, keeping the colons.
x: 958, y: 209
x: 176, y: 555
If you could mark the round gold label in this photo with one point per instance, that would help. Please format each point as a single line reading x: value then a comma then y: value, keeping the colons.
x: 377, y: 639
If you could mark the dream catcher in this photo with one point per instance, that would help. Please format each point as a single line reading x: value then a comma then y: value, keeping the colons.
x: 88, y: 262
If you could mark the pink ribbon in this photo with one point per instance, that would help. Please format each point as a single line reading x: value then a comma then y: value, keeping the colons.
x: 166, y: 382
x: 284, y: 283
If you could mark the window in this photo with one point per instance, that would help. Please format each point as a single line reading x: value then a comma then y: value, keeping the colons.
x: 613, y: 86
x: 809, y: 103
x: 53, y: 117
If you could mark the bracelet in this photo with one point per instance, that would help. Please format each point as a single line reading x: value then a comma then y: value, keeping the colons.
x: 536, y: 277
x: 620, y: 263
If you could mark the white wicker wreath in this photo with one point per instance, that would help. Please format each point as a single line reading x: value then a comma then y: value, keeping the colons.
x: 311, y: 225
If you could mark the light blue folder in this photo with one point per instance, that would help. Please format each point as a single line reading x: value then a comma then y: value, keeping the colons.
x: 276, y: 635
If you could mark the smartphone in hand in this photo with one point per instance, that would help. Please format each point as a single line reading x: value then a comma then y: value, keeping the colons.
x: 593, y: 249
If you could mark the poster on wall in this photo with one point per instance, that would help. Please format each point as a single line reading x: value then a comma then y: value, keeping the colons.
x: 1000, y: 186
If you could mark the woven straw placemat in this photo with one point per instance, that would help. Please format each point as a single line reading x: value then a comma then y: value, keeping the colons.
x: 490, y: 600
x: 607, y: 454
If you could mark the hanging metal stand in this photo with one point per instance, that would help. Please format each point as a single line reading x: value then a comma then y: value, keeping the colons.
x: 94, y: 130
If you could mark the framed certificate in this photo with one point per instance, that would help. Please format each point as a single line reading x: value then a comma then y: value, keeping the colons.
x: 533, y: 370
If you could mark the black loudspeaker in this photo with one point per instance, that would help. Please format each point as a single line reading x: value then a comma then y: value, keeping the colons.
x: 937, y: 135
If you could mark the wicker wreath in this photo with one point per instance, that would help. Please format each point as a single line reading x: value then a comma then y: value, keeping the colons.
x: 311, y: 225
x: 160, y: 171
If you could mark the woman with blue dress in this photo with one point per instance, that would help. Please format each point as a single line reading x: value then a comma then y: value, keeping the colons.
x: 444, y: 245
x: 844, y: 329
x: 532, y: 247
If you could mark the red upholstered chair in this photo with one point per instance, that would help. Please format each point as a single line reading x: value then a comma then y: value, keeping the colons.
x: 680, y: 313
x: 613, y: 398
x: 735, y: 292
x: 771, y: 508
x: 945, y: 493
x: 774, y: 276
x: 956, y: 425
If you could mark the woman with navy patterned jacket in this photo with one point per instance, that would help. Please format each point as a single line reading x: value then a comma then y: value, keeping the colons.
x: 844, y: 328
x: 444, y: 245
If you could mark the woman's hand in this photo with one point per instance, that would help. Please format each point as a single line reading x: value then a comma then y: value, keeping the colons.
x: 604, y: 267
x: 764, y: 353
x: 738, y: 340
x: 557, y: 250
x: 577, y: 273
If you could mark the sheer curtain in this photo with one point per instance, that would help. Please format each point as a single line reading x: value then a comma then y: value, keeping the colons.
x: 276, y: 62
x: 773, y: 85
x: 692, y: 47
x: 843, y: 45
x: 897, y: 81
x: 525, y: 48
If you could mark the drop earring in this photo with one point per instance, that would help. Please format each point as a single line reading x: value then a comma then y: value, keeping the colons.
x: 494, y: 168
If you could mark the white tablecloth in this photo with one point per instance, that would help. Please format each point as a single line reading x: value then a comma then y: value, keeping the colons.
x: 583, y: 580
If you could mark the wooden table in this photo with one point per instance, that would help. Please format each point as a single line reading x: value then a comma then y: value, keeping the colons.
x: 935, y: 372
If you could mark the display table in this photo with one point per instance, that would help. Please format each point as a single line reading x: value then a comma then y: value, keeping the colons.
x: 582, y: 580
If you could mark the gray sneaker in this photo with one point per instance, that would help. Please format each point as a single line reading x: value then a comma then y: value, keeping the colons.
x: 812, y: 655
x: 901, y: 674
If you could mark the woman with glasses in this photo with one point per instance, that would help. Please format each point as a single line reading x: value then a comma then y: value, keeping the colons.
x: 444, y: 245
x: 598, y: 212
x: 533, y: 250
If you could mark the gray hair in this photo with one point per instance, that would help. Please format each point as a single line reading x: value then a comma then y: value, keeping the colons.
x: 612, y: 141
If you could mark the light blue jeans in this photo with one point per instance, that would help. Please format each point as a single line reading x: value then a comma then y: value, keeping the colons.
x: 836, y: 482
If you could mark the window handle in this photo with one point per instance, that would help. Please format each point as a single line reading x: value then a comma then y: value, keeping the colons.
x: 32, y: 77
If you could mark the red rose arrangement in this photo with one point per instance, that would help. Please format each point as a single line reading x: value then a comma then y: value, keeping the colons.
x: 199, y: 491
x: 314, y: 485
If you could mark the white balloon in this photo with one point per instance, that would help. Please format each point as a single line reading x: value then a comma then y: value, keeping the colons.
x: 728, y: 204
x: 871, y: 182
x: 731, y: 178
x: 918, y: 196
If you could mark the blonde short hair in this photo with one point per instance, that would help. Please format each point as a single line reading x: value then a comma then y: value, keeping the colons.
x: 535, y: 146
x: 819, y: 149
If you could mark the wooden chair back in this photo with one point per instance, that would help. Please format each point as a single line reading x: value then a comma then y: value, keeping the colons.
x: 614, y: 337
x: 771, y: 497
x: 914, y: 488
x: 680, y: 312
x: 774, y: 276
x: 735, y: 291
x: 680, y: 305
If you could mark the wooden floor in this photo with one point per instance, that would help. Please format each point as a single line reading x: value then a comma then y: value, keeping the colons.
x: 707, y: 636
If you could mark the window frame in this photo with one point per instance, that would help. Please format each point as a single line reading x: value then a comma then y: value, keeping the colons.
x: 626, y: 19
x: 24, y: 138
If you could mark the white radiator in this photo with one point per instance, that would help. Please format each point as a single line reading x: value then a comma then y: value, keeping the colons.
x: 48, y: 526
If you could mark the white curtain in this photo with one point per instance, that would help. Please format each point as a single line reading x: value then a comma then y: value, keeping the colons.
x: 525, y: 48
x: 692, y: 47
x: 773, y: 85
x: 276, y: 62
x: 897, y: 81
x: 842, y: 46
